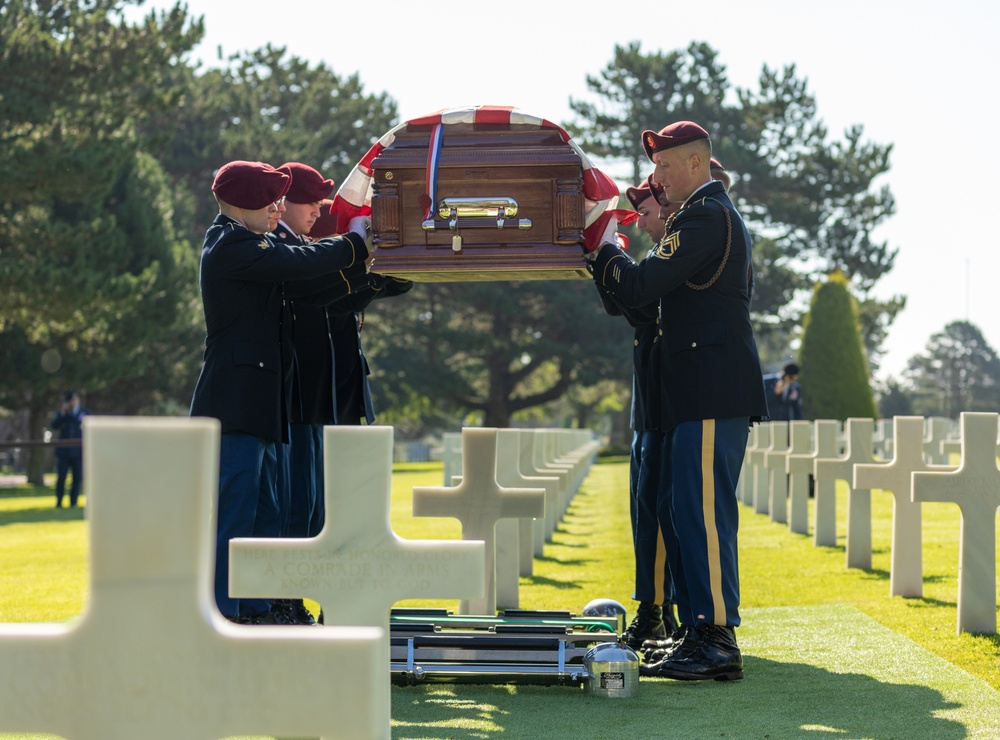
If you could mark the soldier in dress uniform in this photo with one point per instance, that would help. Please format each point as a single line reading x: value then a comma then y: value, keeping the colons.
x: 654, y: 619
x: 329, y: 383
x: 710, y: 389
x: 242, y: 382
x: 352, y: 397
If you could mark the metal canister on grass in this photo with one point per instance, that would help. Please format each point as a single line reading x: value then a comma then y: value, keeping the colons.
x: 612, y: 670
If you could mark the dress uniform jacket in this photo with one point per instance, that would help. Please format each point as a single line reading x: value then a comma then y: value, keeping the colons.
x: 242, y: 382
x: 643, y: 321
x: 330, y: 374
x: 705, y: 356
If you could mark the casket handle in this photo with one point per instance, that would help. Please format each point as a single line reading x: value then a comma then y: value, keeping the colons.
x: 497, y: 222
x: 480, y: 206
x: 477, y: 213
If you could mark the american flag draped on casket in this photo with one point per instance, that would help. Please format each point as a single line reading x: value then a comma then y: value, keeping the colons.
x: 484, y: 193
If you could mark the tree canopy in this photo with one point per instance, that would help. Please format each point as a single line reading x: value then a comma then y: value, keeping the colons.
x: 811, y: 201
x: 958, y: 371
x: 835, y: 381
x: 111, y: 137
x: 96, y: 289
x: 495, y: 349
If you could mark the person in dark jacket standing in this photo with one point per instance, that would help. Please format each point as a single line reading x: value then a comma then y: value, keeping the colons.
x: 242, y: 382
x: 68, y: 424
x: 709, y: 390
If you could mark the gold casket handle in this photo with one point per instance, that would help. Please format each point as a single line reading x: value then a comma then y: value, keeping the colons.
x: 477, y: 213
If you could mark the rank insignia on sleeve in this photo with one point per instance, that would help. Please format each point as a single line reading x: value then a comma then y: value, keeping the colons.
x: 263, y: 244
x: 667, y: 246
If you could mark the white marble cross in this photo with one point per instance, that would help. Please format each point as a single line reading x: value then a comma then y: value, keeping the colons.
x: 551, y: 484
x: 761, y: 497
x: 530, y: 442
x: 775, y: 461
x: 152, y: 657
x: 478, y: 502
x: 975, y: 487
x: 451, y: 456
x: 357, y: 567
x: 936, y: 431
x: 882, y: 439
x: 799, y: 466
x: 858, y: 449
x: 906, y: 574
x: 531, y: 531
x: 545, y: 460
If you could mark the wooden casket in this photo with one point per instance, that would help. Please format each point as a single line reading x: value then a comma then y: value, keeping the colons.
x: 508, y: 204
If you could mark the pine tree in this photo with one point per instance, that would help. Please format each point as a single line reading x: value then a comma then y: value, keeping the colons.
x: 835, y: 380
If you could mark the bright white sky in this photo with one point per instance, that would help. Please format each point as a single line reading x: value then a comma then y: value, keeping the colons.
x: 921, y: 75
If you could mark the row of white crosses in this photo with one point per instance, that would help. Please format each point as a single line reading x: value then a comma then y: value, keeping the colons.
x: 782, y: 455
x: 515, y: 486
x: 152, y: 657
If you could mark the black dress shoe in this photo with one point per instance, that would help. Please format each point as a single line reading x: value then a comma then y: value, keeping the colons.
x: 654, y: 651
x: 707, y: 651
x: 647, y: 625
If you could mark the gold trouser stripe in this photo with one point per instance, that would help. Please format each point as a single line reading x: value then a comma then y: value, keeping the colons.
x: 708, y: 510
x: 660, y: 568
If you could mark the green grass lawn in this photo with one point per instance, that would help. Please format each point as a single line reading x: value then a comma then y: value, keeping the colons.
x: 828, y: 653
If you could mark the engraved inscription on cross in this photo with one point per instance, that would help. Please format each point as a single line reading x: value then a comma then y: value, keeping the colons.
x: 906, y: 574
x: 152, y: 657
x: 478, y: 502
x: 975, y: 487
x: 356, y: 567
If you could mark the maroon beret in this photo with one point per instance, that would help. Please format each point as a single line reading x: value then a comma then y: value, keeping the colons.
x: 670, y: 136
x: 326, y: 224
x: 656, y: 189
x: 638, y: 194
x: 715, y: 164
x: 308, y: 186
x: 250, y: 185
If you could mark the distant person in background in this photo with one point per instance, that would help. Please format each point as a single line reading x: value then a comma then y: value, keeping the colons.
x: 68, y: 424
x: 787, y: 395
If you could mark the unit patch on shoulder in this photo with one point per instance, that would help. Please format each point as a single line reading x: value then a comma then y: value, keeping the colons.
x: 667, y: 246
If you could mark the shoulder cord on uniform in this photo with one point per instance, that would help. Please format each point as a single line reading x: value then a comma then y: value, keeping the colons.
x: 725, y: 256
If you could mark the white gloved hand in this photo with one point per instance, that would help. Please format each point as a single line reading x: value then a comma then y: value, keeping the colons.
x: 362, y: 226
x: 609, y: 236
